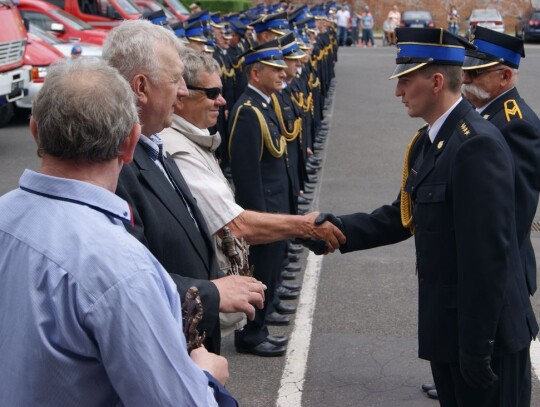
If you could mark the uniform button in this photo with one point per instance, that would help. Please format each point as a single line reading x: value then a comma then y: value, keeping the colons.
x: 412, y: 188
x: 430, y: 194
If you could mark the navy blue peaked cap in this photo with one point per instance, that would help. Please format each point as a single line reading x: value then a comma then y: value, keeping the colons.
x: 493, y: 48
x: 417, y: 47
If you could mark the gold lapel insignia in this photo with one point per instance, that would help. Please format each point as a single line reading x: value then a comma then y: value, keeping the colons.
x: 264, y: 105
x: 486, y: 116
x: 440, y: 144
x: 511, y: 109
x: 464, y: 129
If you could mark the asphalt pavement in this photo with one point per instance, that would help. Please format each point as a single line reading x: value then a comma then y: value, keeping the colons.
x: 354, y: 336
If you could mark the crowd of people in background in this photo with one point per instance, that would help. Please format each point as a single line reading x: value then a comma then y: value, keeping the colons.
x: 190, y: 153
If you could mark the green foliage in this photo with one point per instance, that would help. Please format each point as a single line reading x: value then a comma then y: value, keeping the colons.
x: 225, y: 6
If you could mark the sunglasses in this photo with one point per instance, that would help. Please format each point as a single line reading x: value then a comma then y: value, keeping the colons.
x: 211, y: 93
x: 475, y: 73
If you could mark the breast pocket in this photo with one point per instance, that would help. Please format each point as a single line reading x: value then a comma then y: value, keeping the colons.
x: 433, y: 210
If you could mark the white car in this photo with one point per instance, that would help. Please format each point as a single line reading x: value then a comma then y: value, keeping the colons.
x: 486, y: 17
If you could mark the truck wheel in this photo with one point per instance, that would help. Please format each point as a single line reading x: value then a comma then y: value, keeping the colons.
x: 6, y: 113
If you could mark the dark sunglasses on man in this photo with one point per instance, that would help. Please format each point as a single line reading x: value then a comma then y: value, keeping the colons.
x: 475, y: 73
x: 211, y: 93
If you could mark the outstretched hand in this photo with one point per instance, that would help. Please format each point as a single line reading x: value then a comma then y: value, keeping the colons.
x: 326, y: 233
x: 240, y: 294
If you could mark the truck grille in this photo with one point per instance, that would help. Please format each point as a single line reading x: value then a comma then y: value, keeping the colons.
x: 11, y: 51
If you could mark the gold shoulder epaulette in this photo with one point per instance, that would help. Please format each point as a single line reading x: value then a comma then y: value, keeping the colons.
x: 511, y: 109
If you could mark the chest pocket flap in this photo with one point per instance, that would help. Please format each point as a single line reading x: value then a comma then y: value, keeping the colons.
x: 431, y: 193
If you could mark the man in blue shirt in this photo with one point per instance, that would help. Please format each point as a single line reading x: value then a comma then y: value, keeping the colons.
x: 89, y: 317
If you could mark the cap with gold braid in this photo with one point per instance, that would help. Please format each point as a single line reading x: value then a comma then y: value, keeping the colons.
x: 277, y: 23
x: 493, y: 48
x: 268, y: 53
x: 417, y: 47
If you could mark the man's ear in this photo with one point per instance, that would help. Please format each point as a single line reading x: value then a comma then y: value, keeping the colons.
x: 438, y: 82
x: 139, y: 84
x: 127, y: 149
x: 34, y: 129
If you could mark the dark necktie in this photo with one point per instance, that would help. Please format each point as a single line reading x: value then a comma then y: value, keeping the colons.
x: 427, y: 144
x: 156, y: 154
x: 162, y: 159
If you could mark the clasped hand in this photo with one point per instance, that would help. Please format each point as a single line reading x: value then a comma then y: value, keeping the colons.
x: 325, y: 243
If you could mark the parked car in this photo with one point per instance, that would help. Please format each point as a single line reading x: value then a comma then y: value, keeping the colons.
x: 528, y: 26
x: 417, y: 19
x: 49, y: 17
x: 486, y: 17
x: 177, y: 8
x: 102, y: 14
x: 14, y: 75
x: 88, y: 50
x: 147, y: 6
x: 39, y: 55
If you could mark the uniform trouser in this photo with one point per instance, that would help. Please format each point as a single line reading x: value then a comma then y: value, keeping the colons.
x: 512, y: 389
x: 266, y: 260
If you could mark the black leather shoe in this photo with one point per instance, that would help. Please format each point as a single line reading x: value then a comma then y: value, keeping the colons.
x: 284, y: 309
x: 293, y: 258
x: 265, y: 348
x: 302, y: 200
x: 287, y: 275
x: 427, y: 387
x: 302, y: 211
x: 293, y: 267
x: 292, y: 286
x: 432, y: 394
x: 308, y: 189
x: 278, y: 340
x: 296, y: 248
x: 286, y: 294
x: 277, y: 319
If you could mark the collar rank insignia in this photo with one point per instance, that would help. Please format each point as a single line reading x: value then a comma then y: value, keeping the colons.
x: 264, y: 105
x: 465, y: 130
x: 511, y: 109
x: 486, y: 116
x: 440, y: 144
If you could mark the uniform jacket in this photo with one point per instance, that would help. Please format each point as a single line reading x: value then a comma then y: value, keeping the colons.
x: 520, y: 127
x: 291, y: 113
x: 261, y: 180
x: 472, y: 292
x: 164, y: 225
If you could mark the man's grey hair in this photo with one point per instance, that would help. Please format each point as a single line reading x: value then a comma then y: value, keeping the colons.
x: 196, y: 63
x: 85, y: 110
x: 131, y: 48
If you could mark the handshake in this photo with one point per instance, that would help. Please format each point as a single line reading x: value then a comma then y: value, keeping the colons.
x: 325, y: 242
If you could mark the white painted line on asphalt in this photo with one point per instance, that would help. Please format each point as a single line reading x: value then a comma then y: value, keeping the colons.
x: 535, y: 357
x: 292, y: 380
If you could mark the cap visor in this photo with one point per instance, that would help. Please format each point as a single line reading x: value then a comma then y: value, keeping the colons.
x: 198, y: 39
x: 475, y: 63
x: 276, y: 63
x: 402, y: 69
x: 281, y: 31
